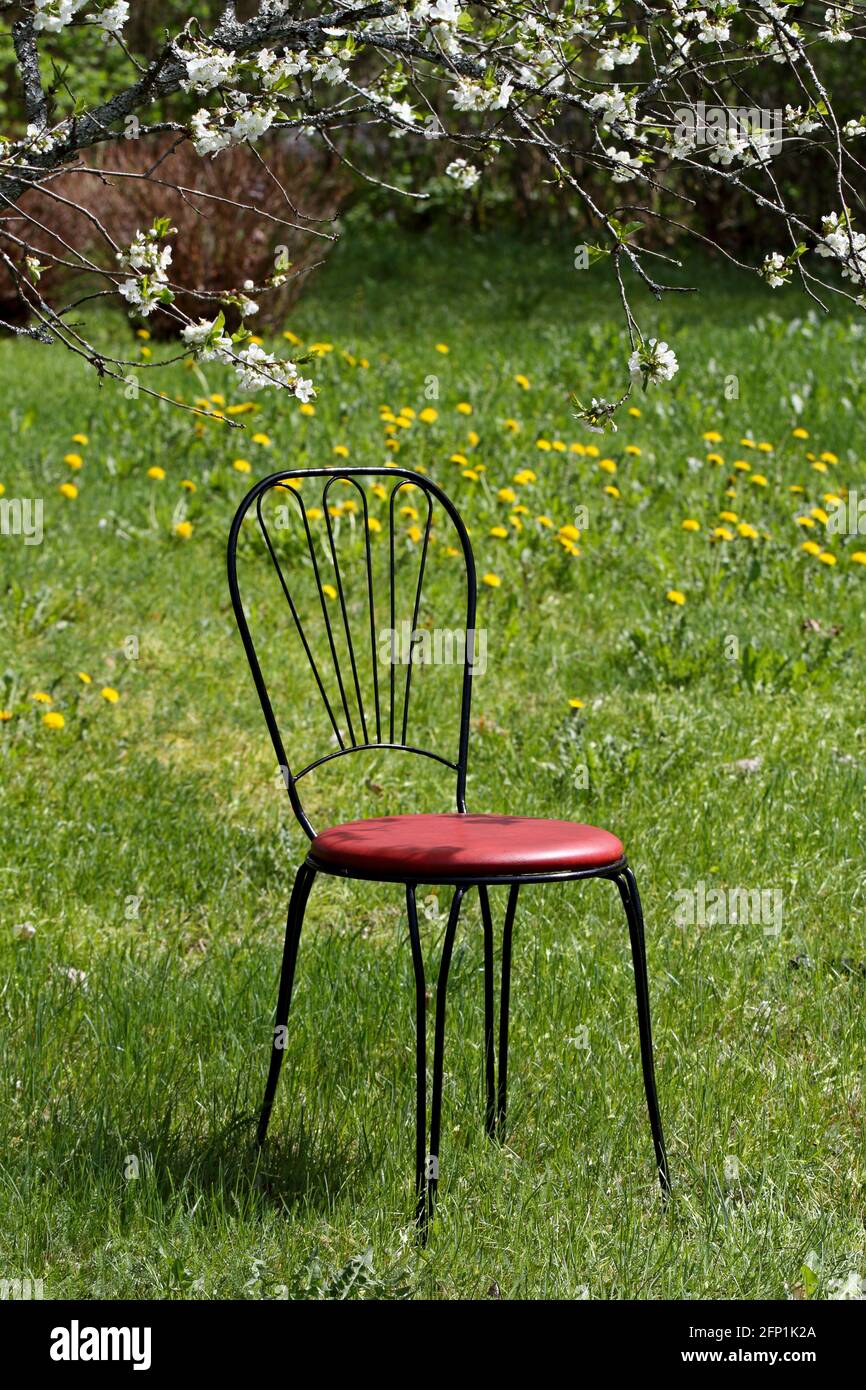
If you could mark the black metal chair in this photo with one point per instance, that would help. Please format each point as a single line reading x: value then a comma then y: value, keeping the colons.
x: 456, y: 849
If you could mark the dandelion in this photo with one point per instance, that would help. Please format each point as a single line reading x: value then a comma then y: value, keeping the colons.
x: 109, y: 693
x: 633, y: 410
x: 729, y: 516
x: 188, y: 484
x: 512, y: 425
x: 499, y: 532
x: 442, y: 347
x: 491, y: 580
x: 859, y: 557
x: 42, y: 697
x: 241, y: 465
x: 612, y: 491
x: 525, y: 476
x: 428, y: 415
x: 826, y: 558
x: 414, y: 534
x: 473, y: 439
x: 829, y: 458
x: 459, y: 458
x: 5, y: 716
x: 558, y: 446
x: 765, y: 448
x: 690, y: 524
x: 758, y: 479
x: 715, y: 458
x: 633, y: 450
x: 522, y: 381
x: 329, y: 591
x: 341, y: 451
x: 507, y: 494
x: 263, y: 439
x: 544, y: 521
x: 576, y: 704
x: 184, y: 530
x: 747, y: 532
x: 74, y: 460
x: 722, y: 533
x: 463, y: 408
x: 85, y: 678
x: 675, y: 596
x: 68, y: 490
x: 570, y: 532
x: 712, y: 437
x: 53, y: 720
x: 305, y: 409
x: 542, y: 444
x: 291, y: 337
x: 800, y: 433
x: 811, y: 548
x: 608, y: 465
x: 373, y: 523
x: 156, y: 473
x: 819, y: 467
x: 80, y: 439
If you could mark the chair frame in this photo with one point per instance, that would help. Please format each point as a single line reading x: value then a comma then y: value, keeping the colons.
x: 426, y: 1156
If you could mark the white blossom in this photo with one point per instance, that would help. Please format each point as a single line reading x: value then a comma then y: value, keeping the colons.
x: 465, y: 175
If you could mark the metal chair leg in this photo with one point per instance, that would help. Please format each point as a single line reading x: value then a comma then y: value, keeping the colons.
x: 489, y: 1054
x: 439, y: 1055
x: 504, y: 1005
x: 631, y: 902
x: 297, y: 905
x: 420, y: 1056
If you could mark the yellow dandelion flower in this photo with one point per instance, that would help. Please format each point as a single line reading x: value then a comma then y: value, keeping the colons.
x: 558, y: 446
x: 819, y: 467
x: 712, y: 437
x: 827, y: 457
x: 820, y: 515
x: 74, y: 460
x: 373, y: 523
x: 85, y: 678
x: 491, y: 580
x: 329, y: 591
x: 800, y: 433
x: 722, y: 533
x: 188, y: 484
x: 473, y: 439
x: 747, y: 443
x: 729, y: 516
x: 428, y: 415
x: 80, y: 439
x: 826, y: 558
x: 576, y: 704
x: 5, y: 716
x: 341, y: 451
x: 291, y: 337
x: 109, y: 693
x: 612, y: 491
x: 54, y: 720
x: 633, y: 410
x: 543, y: 444
x: 795, y: 487
x: 544, y: 521
x: 632, y: 449
x: 414, y: 533
x: 715, y: 458
x: 442, y: 347
x: 592, y: 450
x: 42, y: 697
x: 758, y: 479
x: 690, y: 524
x: 261, y: 438
x: 184, y: 530
x: 805, y: 521
x: 156, y: 473
x: 765, y: 448
x: 512, y: 425
x: 747, y: 532
x: 525, y: 476
x: 459, y: 458
x: 608, y: 465
x: 507, y: 494
x: 577, y: 449
x: 811, y: 547
x: 315, y: 514
x: 241, y: 465
x: 859, y: 557
x: 463, y: 408
x: 675, y: 596
x: 522, y: 381
x: 570, y: 532
x: 68, y: 490
x: 499, y: 532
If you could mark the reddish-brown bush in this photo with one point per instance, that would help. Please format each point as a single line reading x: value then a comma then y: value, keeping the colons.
x: 234, y: 215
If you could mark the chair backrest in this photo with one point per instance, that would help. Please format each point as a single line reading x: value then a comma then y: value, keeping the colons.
x: 346, y: 654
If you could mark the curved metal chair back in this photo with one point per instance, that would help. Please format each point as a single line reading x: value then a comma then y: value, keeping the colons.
x: 346, y: 666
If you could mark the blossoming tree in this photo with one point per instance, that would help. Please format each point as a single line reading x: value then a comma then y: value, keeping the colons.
x: 635, y: 96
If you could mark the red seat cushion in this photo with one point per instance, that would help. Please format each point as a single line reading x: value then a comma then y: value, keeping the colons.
x: 465, y: 846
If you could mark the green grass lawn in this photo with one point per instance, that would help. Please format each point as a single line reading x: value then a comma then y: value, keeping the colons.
x: 150, y: 845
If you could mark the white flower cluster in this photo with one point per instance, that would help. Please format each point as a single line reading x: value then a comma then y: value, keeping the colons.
x: 781, y: 45
x: 465, y: 175
x: 213, y: 131
x: 852, y: 129
x: 775, y: 270
x: 835, y: 21
x: 654, y: 361
x: 113, y: 17
x: 845, y: 245
x: 54, y: 15
x: 255, y: 368
x: 625, y: 165
x: 801, y: 122
x: 617, y: 52
x: 208, y: 68
x: 474, y: 96
x: 149, y: 287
